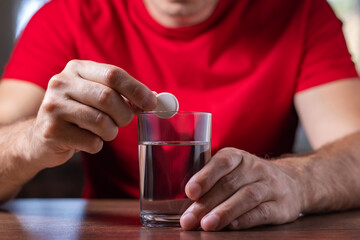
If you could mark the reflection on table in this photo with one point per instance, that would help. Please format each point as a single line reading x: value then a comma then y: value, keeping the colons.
x: 119, y: 219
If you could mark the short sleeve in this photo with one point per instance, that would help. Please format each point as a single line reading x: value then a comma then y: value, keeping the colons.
x: 44, y: 47
x: 325, y: 54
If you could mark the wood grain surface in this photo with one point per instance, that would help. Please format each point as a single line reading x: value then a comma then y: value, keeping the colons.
x: 119, y: 219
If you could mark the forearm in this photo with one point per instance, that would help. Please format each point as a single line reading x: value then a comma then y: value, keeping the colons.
x: 329, y: 179
x: 15, y: 166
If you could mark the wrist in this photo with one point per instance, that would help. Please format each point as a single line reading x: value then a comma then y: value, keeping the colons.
x: 294, y: 168
x: 16, y: 168
x: 23, y: 157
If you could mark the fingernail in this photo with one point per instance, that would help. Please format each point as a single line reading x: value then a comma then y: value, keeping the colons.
x: 234, y: 224
x: 210, y: 222
x: 193, y: 190
x: 188, y: 221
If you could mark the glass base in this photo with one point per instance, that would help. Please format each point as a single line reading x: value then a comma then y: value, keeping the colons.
x: 160, y: 220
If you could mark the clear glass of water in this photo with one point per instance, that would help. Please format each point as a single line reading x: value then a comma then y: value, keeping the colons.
x: 171, y: 151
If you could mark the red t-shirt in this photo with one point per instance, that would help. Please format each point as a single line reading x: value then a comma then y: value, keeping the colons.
x: 244, y: 64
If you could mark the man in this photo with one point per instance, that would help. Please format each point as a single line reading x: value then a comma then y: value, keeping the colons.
x: 254, y: 64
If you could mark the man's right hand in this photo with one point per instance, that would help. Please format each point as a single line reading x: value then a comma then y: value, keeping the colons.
x: 82, y: 107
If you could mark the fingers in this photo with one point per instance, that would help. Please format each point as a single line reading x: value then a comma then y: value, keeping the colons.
x: 104, y: 87
x: 260, y: 215
x: 104, y: 99
x: 215, y: 210
x: 220, y: 165
x: 117, y: 79
x: 79, y: 139
x: 250, y: 196
x: 58, y: 112
x: 90, y: 119
x: 216, y: 182
x: 220, y: 172
x: 60, y: 136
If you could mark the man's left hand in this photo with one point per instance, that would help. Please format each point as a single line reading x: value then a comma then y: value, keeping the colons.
x: 239, y: 190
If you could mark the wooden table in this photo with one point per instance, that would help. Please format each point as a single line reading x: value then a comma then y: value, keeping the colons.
x: 68, y: 219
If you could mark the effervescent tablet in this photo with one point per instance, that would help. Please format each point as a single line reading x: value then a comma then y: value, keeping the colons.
x: 167, y: 105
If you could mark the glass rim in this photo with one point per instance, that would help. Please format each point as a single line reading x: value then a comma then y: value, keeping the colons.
x: 192, y: 112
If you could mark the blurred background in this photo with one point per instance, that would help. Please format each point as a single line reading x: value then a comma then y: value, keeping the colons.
x: 67, y: 180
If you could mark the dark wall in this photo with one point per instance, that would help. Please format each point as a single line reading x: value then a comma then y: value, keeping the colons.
x: 7, y: 29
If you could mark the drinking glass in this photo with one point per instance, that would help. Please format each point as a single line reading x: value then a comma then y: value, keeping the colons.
x: 171, y: 151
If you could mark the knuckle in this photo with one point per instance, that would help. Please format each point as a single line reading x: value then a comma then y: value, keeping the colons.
x: 253, y: 194
x: 226, y: 150
x: 264, y: 212
x: 105, y: 96
x: 73, y: 64
x: 50, y: 105
x: 49, y: 117
x: 225, y: 162
x: 49, y: 130
x: 232, y: 151
x: 137, y: 90
x: 57, y: 81
x: 260, y: 167
x: 229, y: 183
x: 101, y: 119
x: 113, y: 75
x: 228, y: 158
